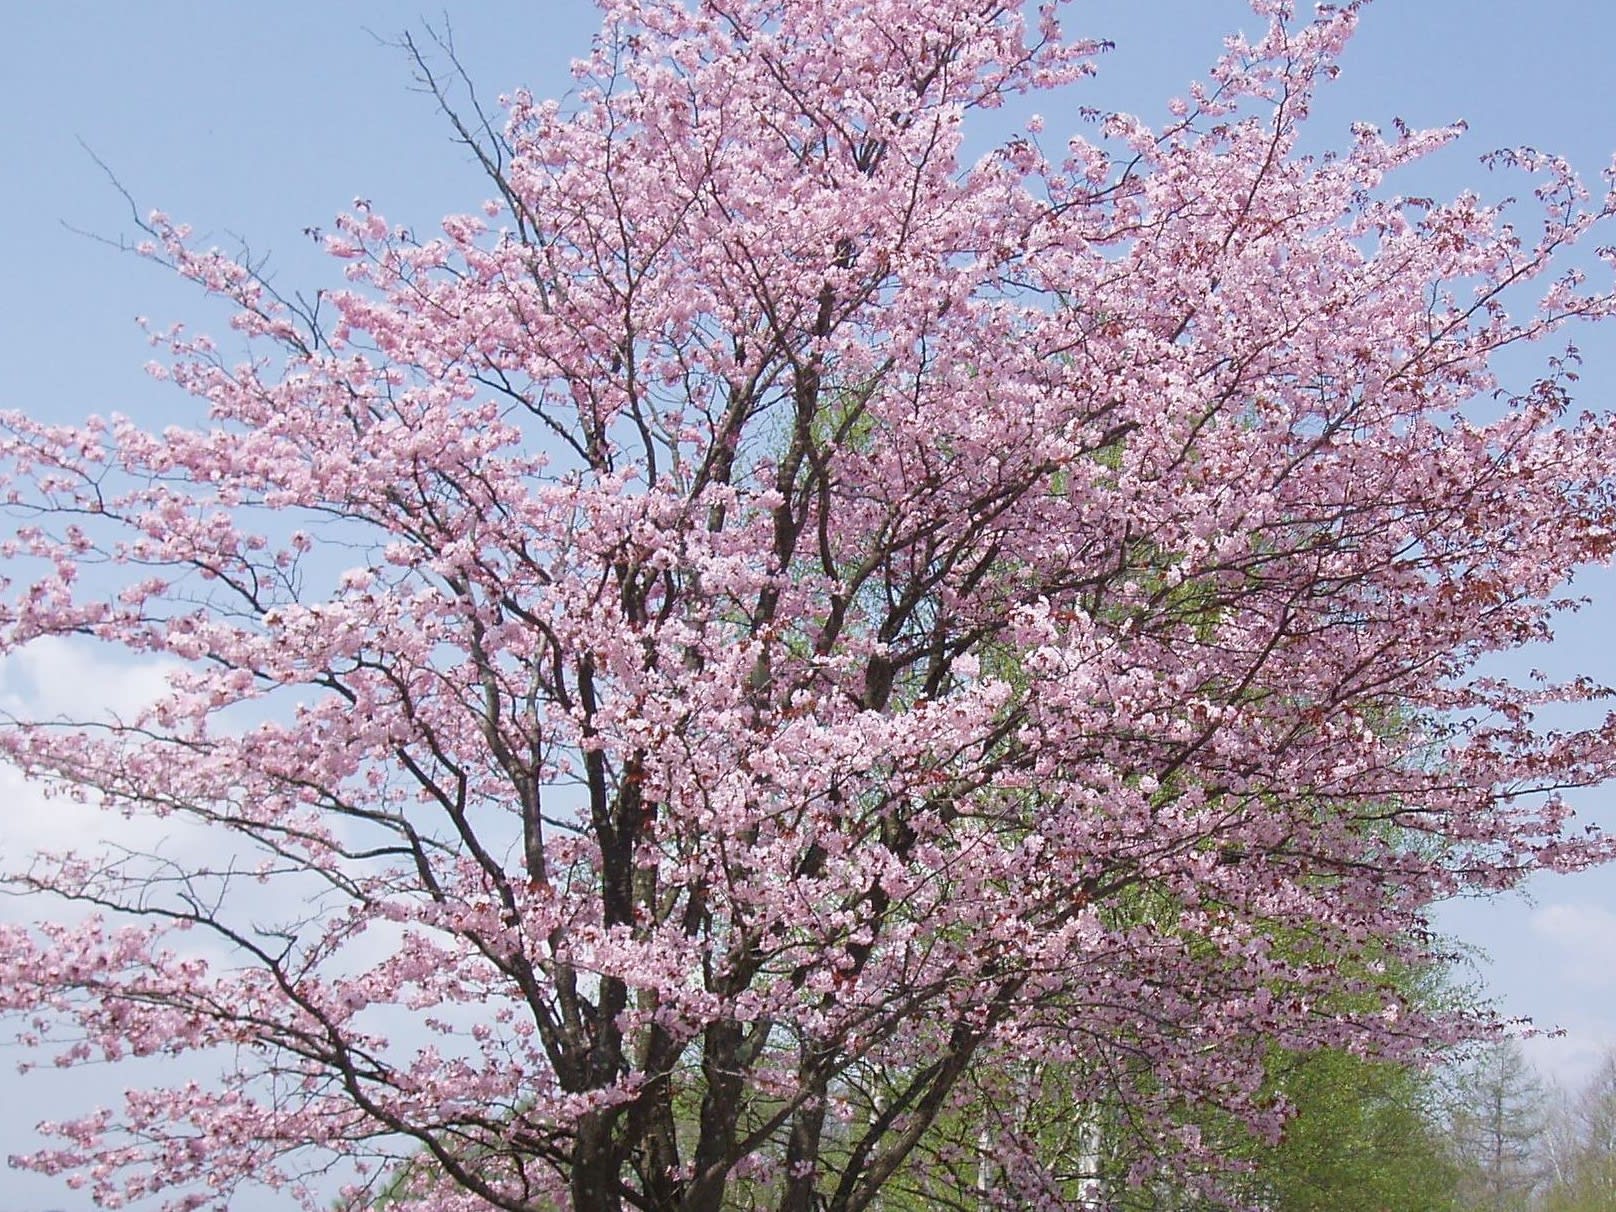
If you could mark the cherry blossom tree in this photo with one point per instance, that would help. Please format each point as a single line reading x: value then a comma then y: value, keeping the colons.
x: 749, y: 670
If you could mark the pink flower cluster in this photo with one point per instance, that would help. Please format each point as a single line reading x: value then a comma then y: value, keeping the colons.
x: 771, y: 648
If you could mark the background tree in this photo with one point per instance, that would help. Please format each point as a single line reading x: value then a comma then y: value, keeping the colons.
x: 1581, y: 1162
x: 1498, y: 1126
x: 1362, y: 1133
x: 712, y: 673
x: 1366, y: 1135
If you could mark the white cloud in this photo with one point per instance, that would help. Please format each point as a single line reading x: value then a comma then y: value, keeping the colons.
x: 55, y: 677
x: 1584, y: 936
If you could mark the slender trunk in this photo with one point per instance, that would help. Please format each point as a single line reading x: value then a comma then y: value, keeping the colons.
x: 984, y: 1170
x: 1088, y: 1157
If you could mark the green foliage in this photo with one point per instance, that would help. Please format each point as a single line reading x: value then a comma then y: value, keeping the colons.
x: 1365, y: 1138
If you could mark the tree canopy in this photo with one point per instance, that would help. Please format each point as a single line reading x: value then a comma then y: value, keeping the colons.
x: 717, y: 678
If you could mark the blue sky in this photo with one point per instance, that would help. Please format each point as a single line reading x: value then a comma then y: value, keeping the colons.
x: 258, y: 121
